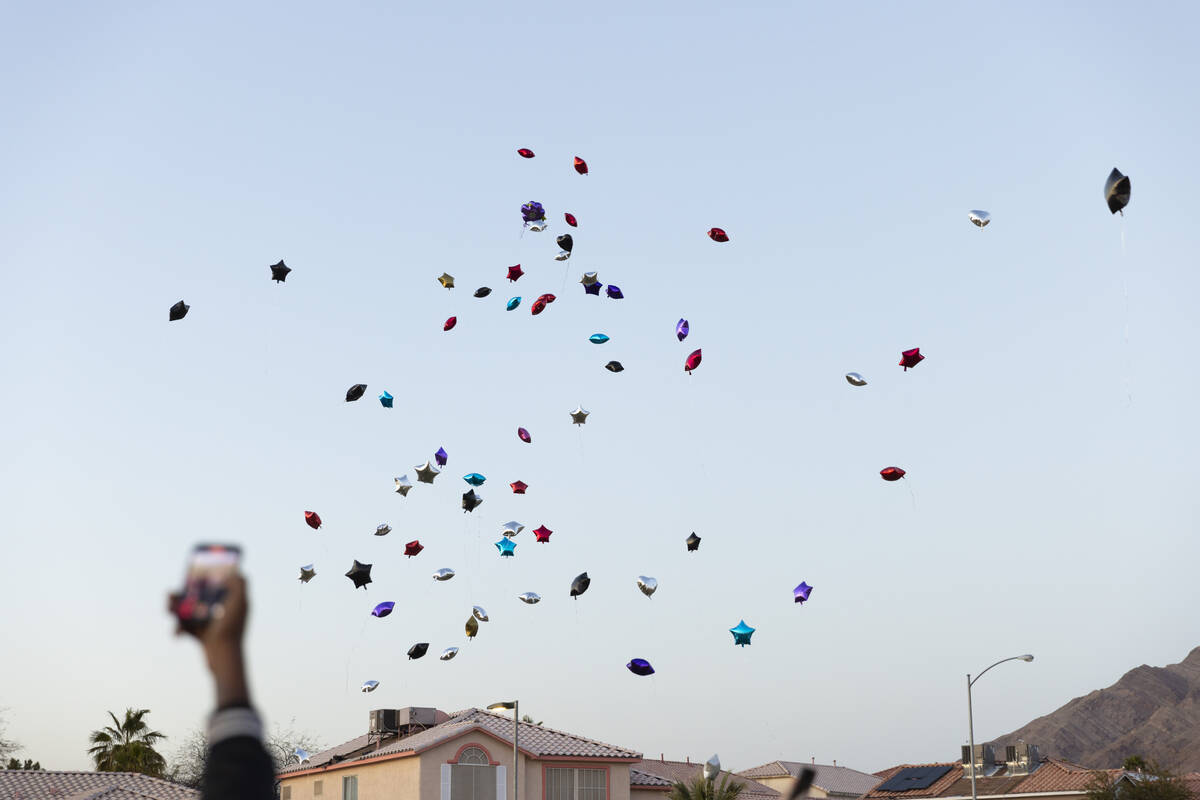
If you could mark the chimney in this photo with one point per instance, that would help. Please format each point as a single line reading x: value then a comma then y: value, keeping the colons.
x: 835, y: 762
x: 814, y: 760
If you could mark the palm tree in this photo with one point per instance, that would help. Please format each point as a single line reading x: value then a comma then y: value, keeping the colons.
x: 128, y: 746
x: 702, y: 789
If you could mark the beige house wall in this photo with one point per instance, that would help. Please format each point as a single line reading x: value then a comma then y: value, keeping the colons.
x: 782, y: 783
x: 647, y: 794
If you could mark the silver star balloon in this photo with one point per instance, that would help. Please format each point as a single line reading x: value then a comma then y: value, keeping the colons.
x: 979, y: 218
x: 589, y: 278
x: 712, y: 768
x: 301, y: 755
x: 647, y: 584
x: 307, y: 573
x: 443, y: 574
x: 383, y: 530
x: 531, y: 598
x: 403, y: 485
x: 426, y: 473
x: 563, y: 255
x: 579, y: 416
x: 448, y: 653
x: 370, y: 686
x: 539, y: 225
x: 854, y: 379
x: 511, y: 529
x: 479, y: 613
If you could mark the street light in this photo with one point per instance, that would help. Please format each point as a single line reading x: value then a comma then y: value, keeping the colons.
x: 971, y: 712
x: 504, y: 705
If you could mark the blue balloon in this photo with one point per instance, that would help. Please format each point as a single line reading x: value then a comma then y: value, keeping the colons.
x: 385, y: 399
x: 640, y: 666
x: 513, y: 302
x: 507, y: 547
x: 474, y: 478
x: 597, y: 338
x: 742, y: 633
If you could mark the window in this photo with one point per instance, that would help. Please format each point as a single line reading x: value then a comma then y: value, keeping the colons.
x: 576, y: 784
x: 474, y: 756
x: 318, y: 788
x: 350, y: 788
x: 472, y: 777
x: 285, y: 793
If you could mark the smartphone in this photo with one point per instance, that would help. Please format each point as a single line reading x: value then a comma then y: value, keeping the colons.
x: 206, y: 583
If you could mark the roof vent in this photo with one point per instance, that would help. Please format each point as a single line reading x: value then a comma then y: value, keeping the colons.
x: 395, y: 721
x: 1021, y: 758
x: 984, y: 762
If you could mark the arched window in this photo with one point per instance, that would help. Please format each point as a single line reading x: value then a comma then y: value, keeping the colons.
x: 474, y: 756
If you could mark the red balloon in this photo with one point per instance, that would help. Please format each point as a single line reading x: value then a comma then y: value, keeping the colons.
x: 538, y: 307
x: 515, y: 272
x: 547, y: 298
x: 543, y: 534
x: 580, y: 166
x: 571, y: 220
x: 450, y: 323
x: 313, y: 519
x: 693, y: 361
x: 891, y: 473
x: 519, y: 487
x: 910, y: 358
x: 524, y: 435
x: 525, y: 152
x: 718, y: 235
x: 412, y: 548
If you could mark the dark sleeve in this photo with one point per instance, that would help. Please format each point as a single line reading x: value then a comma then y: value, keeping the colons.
x: 238, y: 765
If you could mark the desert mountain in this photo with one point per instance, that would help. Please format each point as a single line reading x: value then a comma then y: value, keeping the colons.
x: 1153, y: 712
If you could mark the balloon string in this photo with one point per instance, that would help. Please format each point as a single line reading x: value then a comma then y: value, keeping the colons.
x: 1127, y: 380
x: 912, y: 494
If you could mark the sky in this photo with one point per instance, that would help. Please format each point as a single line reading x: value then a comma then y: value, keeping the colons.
x: 157, y: 152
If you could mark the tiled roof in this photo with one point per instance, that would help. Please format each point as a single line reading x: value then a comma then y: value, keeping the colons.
x: 687, y: 771
x: 90, y: 786
x: 833, y: 780
x: 639, y: 778
x: 1052, y: 775
x: 936, y: 790
x: 535, y: 740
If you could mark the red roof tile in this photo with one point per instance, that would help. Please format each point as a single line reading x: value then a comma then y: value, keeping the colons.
x: 86, y: 785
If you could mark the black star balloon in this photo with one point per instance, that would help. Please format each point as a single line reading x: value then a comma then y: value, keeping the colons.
x: 360, y: 573
x: 417, y: 650
x: 580, y: 584
x: 279, y: 272
x: 1116, y: 191
x: 614, y: 366
x: 693, y: 542
x: 178, y: 311
x: 470, y: 501
x: 355, y: 392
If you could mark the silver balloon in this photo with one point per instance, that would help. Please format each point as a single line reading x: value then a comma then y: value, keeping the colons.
x: 539, y: 226
x: 403, y: 485
x: 370, y: 686
x: 980, y: 218
x: 579, y: 415
x: 531, y: 598
x: 443, y: 574
x: 448, y: 653
x: 854, y: 379
x: 647, y: 584
x: 511, y: 529
x: 563, y: 255
x: 307, y: 573
x: 427, y: 472
x: 479, y: 613
x: 301, y: 755
x: 589, y: 278
x: 383, y: 530
x: 712, y: 768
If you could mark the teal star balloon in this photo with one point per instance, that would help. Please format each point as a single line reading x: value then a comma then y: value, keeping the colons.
x: 742, y: 633
x: 474, y: 478
x: 507, y: 547
x: 513, y: 302
x: 597, y: 338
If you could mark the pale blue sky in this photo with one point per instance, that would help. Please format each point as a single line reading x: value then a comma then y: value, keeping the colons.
x: 150, y: 153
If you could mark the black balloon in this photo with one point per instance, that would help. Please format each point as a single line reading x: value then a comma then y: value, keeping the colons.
x: 355, y: 392
x: 178, y: 311
x: 1116, y: 191
x: 483, y: 291
x: 693, y: 542
x: 470, y: 500
x: 417, y: 650
x: 565, y: 242
x: 360, y: 573
x: 614, y: 366
x: 580, y: 584
x: 279, y: 272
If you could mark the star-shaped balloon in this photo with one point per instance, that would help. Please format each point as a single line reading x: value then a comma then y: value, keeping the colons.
x: 301, y: 755
x: 647, y: 585
x: 542, y: 534
x: 383, y: 530
x: 801, y: 592
x: 483, y: 291
x: 682, y: 329
x: 1117, y: 190
x: 742, y: 633
x: 479, y: 613
x: 507, y: 547
x: 447, y: 280
x: 979, y: 218
x: 580, y: 584
x: 471, y: 501
x: 370, y: 686
x: 386, y: 399
x: 891, y: 473
x: 589, y: 278
x: 693, y: 542
x: 854, y: 379
x: 532, y: 211
x: 515, y: 272
x: 403, y: 485
x: 448, y: 653
x: 413, y: 548
x: 614, y: 366
x: 279, y: 272
x: 712, y: 768
x: 593, y: 288
x: 530, y: 598
x: 910, y: 358
x: 417, y: 650
x: 307, y: 573
x: 443, y: 574
x: 579, y: 415
x: 512, y: 304
x: 511, y: 528
x: 427, y: 472
x: 383, y: 609
x: 312, y: 519
x: 524, y: 436
x: 519, y: 487
x: 472, y: 627
x: 640, y: 666
x: 441, y: 457
x: 474, y: 478
x: 360, y: 573
x: 598, y: 338
x: 355, y: 392
x: 614, y: 292
x: 178, y: 311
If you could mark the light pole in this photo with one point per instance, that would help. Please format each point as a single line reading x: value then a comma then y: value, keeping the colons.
x: 504, y: 705
x: 971, y: 713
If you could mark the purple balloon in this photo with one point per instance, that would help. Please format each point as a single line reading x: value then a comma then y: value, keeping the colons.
x: 532, y: 212
x: 802, y: 592
x: 640, y: 666
x: 614, y: 292
x: 441, y: 456
x: 593, y: 288
x: 383, y: 609
x: 681, y: 329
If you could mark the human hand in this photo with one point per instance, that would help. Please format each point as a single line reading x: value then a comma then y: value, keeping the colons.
x: 221, y: 639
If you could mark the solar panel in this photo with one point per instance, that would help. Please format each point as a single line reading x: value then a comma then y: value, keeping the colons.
x: 911, y: 778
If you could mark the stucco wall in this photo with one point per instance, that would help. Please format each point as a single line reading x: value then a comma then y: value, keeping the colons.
x: 784, y: 782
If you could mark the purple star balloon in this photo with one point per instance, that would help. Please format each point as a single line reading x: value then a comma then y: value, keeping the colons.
x: 383, y: 609
x: 614, y: 292
x: 441, y: 456
x: 681, y: 329
x: 802, y: 592
x: 640, y: 666
x: 593, y: 288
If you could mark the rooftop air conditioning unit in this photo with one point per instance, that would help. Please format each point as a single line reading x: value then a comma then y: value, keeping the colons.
x: 1021, y: 758
x: 413, y: 717
x: 384, y: 720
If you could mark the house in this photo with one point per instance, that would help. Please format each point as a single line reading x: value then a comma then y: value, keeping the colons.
x: 426, y: 754
x: 651, y: 780
x: 38, y: 784
x: 841, y: 783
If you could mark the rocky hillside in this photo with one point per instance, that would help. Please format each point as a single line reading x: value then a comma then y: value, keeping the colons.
x: 1153, y: 712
